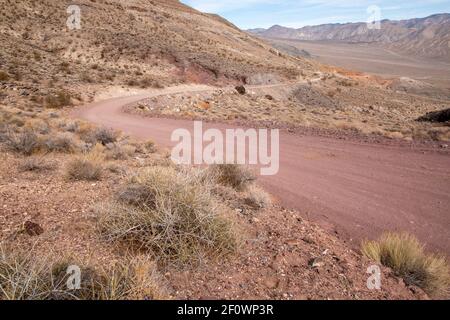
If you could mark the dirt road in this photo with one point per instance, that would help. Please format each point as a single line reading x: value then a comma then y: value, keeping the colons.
x: 356, y: 189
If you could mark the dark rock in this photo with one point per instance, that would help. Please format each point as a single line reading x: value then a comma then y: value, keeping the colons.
x: 308, y: 240
x: 241, y: 89
x: 32, y: 229
x: 436, y: 116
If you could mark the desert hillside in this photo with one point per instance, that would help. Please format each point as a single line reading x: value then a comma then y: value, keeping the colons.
x: 87, y: 180
x: 427, y: 37
x: 136, y: 42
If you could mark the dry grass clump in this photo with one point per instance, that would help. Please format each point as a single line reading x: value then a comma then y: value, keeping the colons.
x: 60, y: 142
x: 235, y: 185
x: 118, y: 151
x: 36, y: 164
x: 99, y: 135
x: 405, y: 255
x: 150, y: 146
x: 58, y: 100
x: 69, y: 126
x: 25, y: 276
x: 147, y: 82
x: 37, y: 125
x: 25, y: 142
x: 169, y: 213
x: 236, y: 176
x: 88, y: 167
x: 257, y: 198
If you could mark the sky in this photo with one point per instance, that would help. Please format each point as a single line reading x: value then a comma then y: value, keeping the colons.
x: 248, y: 14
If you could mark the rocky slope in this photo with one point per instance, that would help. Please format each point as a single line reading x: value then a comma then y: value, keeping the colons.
x: 427, y: 37
x: 136, y: 43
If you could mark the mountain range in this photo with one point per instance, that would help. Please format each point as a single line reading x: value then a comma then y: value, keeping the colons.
x: 426, y: 37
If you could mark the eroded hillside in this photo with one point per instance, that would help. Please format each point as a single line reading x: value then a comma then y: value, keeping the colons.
x: 136, y: 43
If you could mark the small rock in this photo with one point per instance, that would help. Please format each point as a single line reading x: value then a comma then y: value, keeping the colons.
x: 308, y: 240
x: 316, y: 263
x: 203, y: 105
x: 32, y: 229
x: 444, y: 146
x: 241, y: 89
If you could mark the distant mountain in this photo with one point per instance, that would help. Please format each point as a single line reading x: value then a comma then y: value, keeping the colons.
x: 427, y: 37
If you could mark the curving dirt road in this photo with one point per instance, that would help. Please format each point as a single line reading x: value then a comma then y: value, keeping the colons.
x: 356, y: 189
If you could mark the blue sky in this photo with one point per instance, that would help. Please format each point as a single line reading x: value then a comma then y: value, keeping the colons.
x: 298, y: 13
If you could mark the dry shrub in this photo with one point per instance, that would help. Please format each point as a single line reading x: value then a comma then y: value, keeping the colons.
x: 404, y: 254
x: 26, y: 276
x: 25, y: 142
x: 60, y: 142
x: 134, y: 279
x: 38, y: 125
x: 84, y: 129
x: 69, y: 126
x: 169, y: 213
x: 58, y: 100
x: 99, y: 135
x: 142, y: 281
x: 120, y: 151
x: 36, y: 164
x: 115, y: 168
x: 88, y: 167
x: 150, y: 146
x: 16, y: 121
x: 257, y: 198
x: 151, y: 82
x: 236, y: 176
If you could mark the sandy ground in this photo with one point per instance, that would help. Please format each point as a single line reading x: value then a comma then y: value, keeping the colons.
x: 354, y: 188
x: 376, y: 60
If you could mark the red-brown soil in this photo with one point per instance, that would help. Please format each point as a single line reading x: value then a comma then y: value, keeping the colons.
x: 354, y: 188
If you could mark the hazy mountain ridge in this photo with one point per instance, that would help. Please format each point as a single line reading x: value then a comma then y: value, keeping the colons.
x: 427, y: 37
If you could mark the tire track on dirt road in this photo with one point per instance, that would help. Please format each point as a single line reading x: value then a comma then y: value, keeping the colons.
x: 354, y: 188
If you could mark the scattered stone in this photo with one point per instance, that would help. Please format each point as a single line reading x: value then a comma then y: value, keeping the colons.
x: 316, y: 263
x: 32, y: 229
x: 241, y: 89
x: 203, y: 105
x: 308, y: 240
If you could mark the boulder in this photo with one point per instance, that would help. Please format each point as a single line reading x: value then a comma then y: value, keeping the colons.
x: 241, y: 90
x: 436, y: 116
